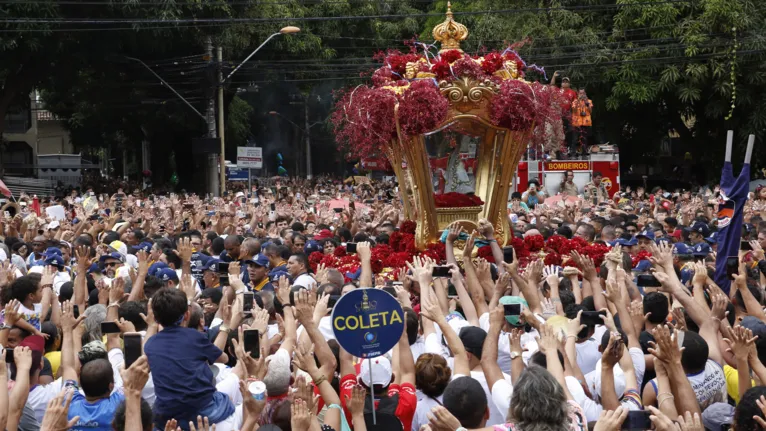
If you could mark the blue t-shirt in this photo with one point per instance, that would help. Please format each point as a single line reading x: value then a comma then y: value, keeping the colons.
x: 96, y: 416
x: 179, y: 359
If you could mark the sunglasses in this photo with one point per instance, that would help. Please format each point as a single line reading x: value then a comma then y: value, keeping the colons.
x: 111, y: 264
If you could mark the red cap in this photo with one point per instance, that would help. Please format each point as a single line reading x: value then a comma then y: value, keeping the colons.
x: 323, y: 235
x: 676, y: 234
x: 35, y: 343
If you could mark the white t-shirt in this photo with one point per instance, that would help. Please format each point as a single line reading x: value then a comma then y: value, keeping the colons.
x: 117, y: 358
x: 40, y: 396
x: 709, y: 385
x: 502, y: 391
x: 424, y: 406
x: 528, y: 344
x: 587, y: 351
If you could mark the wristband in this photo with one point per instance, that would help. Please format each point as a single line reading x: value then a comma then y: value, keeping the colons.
x: 320, y: 380
x: 224, y: 329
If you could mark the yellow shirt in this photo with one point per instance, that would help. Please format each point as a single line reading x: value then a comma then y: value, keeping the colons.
x: 55, y: 359
x: 732, y: 382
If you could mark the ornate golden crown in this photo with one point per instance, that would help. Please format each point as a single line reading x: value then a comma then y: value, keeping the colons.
x: 450, y: 32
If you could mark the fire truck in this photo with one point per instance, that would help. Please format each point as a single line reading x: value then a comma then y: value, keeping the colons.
x: 548, y: 172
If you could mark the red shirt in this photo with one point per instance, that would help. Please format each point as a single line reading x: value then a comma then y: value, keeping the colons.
x: 568, y: 95
x: 405, y: 410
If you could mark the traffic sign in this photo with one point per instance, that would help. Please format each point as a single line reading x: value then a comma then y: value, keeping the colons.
x: 250, y: 157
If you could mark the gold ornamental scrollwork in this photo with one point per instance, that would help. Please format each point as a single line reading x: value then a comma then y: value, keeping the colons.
x: 466, y: 93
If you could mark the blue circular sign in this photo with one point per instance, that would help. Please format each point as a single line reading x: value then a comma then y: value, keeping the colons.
x: 367, y: 322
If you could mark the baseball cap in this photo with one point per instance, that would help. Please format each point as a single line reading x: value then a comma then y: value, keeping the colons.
x: 713, y: 238
x: 676, y: 234
x: 120, y: 247
x: 52, y: 251
x: 259, y: 260
x: 700, y: 228
x: 145, y: 246
x: 112, y: 255
x: 323, y: 235
x: 376, y: 371
x: 156, y: 266
x: 646, y: 233
x: 312, y: 246
x: 211, y: 265
x: 36, y: 343
x: 756, y: 325
x: 701, y: 250
x: 93, y: 268
x: 55, y: 261
x: 53, y: 225
x: 167, y: 274
x: 627, y: 242
x: 473, y: 339
x: 717, y: 415
x: 643, y: 266
x: 681, y: 249
x: 508, y: 300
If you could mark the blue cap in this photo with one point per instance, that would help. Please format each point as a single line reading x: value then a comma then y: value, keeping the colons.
x: 627, y: 242
x: 702, y: 249
x: 145, y: 246
x: 643, y: 266
x: 646, y: 233
x: 713, y: 238
x: 662, y: 239
x: 699, y: 227
x: 52, y: 251
x: 93, y: 268
x: 113, y: 255
x: 55, y: 261
x: 259, y: 260
x: 312, y: 246
x: 354, y: 275
x: 167, y: 274
x: 681, y: 249
x: 156, y: 266
x: 686, y: 275
x: 211, y: 265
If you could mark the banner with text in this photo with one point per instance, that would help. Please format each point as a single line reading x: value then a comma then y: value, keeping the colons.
x: 250, y: 157
x: 367, y: 322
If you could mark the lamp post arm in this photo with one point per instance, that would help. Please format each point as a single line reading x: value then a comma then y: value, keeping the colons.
x: 250, y: 56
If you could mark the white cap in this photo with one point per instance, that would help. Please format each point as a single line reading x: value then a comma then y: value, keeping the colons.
x: 53, y: 225
x: 120, y: 247
x: 381, y: 372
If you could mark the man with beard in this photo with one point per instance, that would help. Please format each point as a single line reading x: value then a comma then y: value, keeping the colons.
x: 111, y: 262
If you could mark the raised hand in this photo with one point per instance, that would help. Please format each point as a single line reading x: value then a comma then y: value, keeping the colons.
x: 740, y: 342
x: 55, y: 418
x: 665, y: 348
x: 135, y: 377
x: 454, y: 233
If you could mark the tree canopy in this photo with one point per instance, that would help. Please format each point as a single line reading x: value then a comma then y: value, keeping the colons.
x: 658, y: 71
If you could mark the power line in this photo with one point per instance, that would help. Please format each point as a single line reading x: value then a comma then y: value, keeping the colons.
x: 90, y: 21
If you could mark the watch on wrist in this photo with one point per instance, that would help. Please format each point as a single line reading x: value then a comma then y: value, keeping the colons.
x: 515, y: 355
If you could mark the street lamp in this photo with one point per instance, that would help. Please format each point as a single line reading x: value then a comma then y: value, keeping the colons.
x: 284, y: 30
x: 306, y: 133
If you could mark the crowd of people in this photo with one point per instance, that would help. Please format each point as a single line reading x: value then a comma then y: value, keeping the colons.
x: 640, y: 337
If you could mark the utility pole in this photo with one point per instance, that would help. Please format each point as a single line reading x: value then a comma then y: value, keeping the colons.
x: 212, y: 158
x: 308, y: 139
x: 222, y: 179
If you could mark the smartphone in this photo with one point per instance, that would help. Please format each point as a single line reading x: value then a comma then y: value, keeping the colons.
x: 294, y: 289
x: 648, y: 280
x: 210, y: 213
x: 350, y: 247
x: 252, y: 342
x: 338, y: 210
x: 109, y: 328
x: 637, y: 420
x: 732, y: 266
x: 9, y: 356
x: 76, y: 311
x: 223, y: 267
x: 247, y: 306
x: 132, y: 347
x: 508, y: 254
x: 223, y: 279
x: 391, y: 291
x: 745, y: 245
x: 451, y: 290
x: 273, y: 207
x: 334, y: 299
x: 592, y: 318
x: 585, y: 210
x: 512, y: 309
x: 441, y: 271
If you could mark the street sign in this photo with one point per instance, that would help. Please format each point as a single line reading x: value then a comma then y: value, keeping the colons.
x: 250, y: 157
x: 237, y: 174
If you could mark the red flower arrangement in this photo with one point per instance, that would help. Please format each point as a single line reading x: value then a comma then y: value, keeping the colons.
x: 408, y: 226
x: 457, y: 200
x: 382, y: 77
x: 534, y: 243
x: 340, y: 251
x: 451, y: 55
x: 486, y: 253
x: 514, y: 107
x: 364, y: 121
x: 442, y: 69
x: 398, y: 61
x: 492, y: 63
x: 514, y: 57
x: 468, y: 67
x: 641, y: 255
x: 596, y: 252
x: 422, y: 108
x: 552, y: 258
